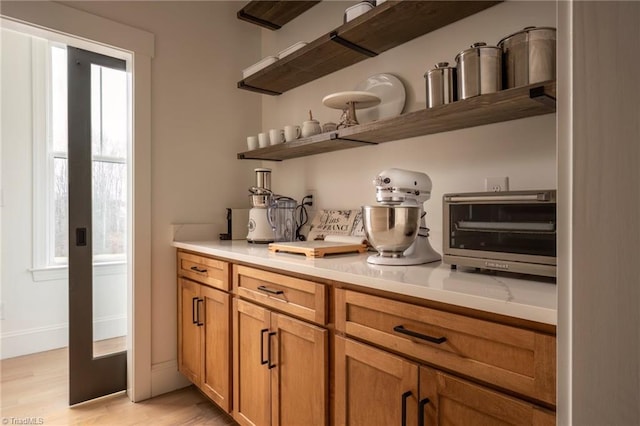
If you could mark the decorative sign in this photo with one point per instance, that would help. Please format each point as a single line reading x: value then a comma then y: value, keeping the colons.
x: 336, y: 222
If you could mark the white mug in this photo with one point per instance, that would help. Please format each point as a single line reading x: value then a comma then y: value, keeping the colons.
x: 252, y: 142
x: 310, y: 128
x: 276, y: 136
x: 263, y: 139
x: 291, y: 133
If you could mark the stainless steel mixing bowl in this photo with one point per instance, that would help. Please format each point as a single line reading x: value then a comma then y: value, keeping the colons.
x: 391, y: 229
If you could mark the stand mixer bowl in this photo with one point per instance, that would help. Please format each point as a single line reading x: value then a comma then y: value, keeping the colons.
x: 391, y: 229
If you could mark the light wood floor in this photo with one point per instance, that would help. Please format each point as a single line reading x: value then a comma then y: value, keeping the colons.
x: 36, y: 386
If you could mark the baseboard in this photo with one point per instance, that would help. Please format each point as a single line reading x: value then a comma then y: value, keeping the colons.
x: 40, y: 339
x: 33, y: 340
x: 165, y: 377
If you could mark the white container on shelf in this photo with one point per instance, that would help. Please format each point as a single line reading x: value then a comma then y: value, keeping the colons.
x: 289, y: 50
x: 265, y: 62
x: 357, y: 10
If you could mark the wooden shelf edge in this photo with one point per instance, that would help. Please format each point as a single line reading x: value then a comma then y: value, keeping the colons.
x: 506, y: 105
x: 278, y: 12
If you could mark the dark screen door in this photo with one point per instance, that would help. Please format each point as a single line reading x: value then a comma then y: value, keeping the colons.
x: 90, y: 376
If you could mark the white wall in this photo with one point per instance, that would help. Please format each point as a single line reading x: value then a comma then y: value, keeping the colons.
x: 35, y: 312
x: 599, y: 359
x: 523, y: 150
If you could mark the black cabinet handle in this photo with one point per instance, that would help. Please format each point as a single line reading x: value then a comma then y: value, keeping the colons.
x: 402, y: 330
x: 268, y: 290
x: 262, y: 360
x: 196, y: 269
x: 273, y: 333
x: 421, y: 405
x: 193, y: 310
x: 405, y: 395
x: 200, y: 324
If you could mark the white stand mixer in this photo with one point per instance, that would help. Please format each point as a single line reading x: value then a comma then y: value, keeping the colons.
x: 398, y: 187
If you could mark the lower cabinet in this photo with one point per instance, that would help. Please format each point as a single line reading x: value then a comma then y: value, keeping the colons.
x: 374, y: 387
x: 204, y: 355
x: 280, y: 368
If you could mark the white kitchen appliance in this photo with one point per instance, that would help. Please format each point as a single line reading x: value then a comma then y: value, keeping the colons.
x: 259, y: 228
x: 389, y: 233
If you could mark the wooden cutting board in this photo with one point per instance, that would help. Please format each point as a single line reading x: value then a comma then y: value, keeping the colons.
x: 317, y: 248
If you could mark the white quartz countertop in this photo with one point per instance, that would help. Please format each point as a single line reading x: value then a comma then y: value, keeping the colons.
x: 525, y: 298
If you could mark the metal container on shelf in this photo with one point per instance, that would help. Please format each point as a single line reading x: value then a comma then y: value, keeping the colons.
x: 529, y: 56
x: 479, y: 70
x: 441, y: 85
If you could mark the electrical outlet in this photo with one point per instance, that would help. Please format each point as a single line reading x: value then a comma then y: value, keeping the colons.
x: 496, y: 184
x: 314, y: 199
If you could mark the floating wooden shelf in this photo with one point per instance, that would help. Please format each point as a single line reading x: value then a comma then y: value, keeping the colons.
x: 506, y: 105
x: 385, y: 26
x: 273, y: 14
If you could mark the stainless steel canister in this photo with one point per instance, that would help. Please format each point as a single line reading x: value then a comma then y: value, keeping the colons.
x: 529, y: 56
x: 479, y: 70
x: 441, y: 85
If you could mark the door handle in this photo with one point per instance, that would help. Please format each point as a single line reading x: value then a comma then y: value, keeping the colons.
x: 421, y: 405
x: 273, y: 333
x: 405, y: 395
x: 81, y: 236
x: 194, y: 318
x: 200, y: 324
x: 262, y: 360
x: 402, y: 330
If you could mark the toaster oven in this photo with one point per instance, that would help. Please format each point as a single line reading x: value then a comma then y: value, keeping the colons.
x: 513, y: 231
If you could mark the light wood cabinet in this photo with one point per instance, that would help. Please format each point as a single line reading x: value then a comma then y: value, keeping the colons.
x: 512, y: 358
x: 204, y: 333
x: 373, y: 387
x: 398, y: 341
x: 448, y: 400
x: 280, y: 368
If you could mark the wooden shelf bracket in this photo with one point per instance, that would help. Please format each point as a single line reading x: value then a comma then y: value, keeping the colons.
x: 539, y: 94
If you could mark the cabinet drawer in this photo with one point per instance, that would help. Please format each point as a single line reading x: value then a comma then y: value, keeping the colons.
x: 520, y: 360
x: 212, y: 272
x: 301, y: 298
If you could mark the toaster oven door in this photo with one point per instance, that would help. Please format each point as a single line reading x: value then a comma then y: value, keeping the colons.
x: 506, y: 229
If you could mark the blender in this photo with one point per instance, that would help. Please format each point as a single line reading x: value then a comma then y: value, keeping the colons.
x: 396, y: 227
x: 260, y: 230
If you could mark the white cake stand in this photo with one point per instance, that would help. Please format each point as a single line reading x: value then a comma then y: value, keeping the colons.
x: 349, y: 102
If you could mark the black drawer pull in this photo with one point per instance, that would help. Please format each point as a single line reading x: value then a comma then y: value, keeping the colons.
x: 405, y: 395
x: 402, y: 330
x: 268, y: 290
x: 194, y: 318
x: 421, y: 405
x: 273, y: 333
x: 196, y: 269
x: 262, y: 360
x: 200, y: 324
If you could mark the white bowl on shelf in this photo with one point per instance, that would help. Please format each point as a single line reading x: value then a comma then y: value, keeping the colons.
x: 264, y: 62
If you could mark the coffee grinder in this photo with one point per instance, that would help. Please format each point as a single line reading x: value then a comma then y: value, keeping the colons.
x: 260, y: 230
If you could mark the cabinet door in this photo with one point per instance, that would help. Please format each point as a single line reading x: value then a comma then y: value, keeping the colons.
x: 373, y: 387
x: 453, y: 401
x: 251, y: 402
x: 299, y: 372
x: 216, y: 346
x: 189, y: 352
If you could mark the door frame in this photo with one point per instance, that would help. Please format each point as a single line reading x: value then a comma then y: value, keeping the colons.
x: 73, y: 27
